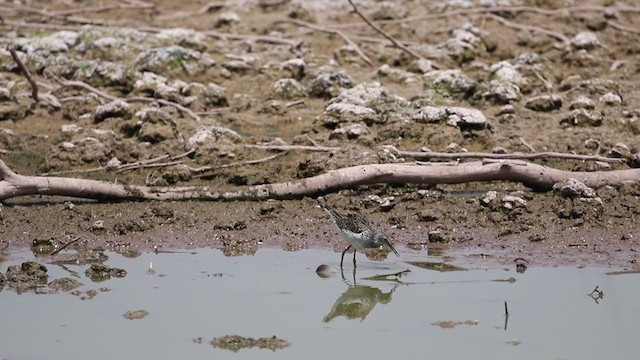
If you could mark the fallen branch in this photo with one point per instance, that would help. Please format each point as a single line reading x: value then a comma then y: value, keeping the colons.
x: 532, y: 175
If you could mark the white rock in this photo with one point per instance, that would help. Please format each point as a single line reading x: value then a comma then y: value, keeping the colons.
x: 585, y: 40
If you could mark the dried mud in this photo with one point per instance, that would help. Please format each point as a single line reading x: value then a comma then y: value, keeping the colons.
x: 547, y: 229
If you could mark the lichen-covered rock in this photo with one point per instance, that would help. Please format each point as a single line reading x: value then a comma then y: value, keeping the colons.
x: 370, y: 94
x: 214, y: 95
x: 289, y: 89
x: 503, y: 71
x: 114, y: 109
x: 188, y: 38
x: 53, y: 43
x: 105, y: 73
x: 450, y: 82
x: 464, y: 118
x: 343, y: 112
x: 544, y: 103
x: 499, y: 92
x: 329, y: 84
x: 162, y: 59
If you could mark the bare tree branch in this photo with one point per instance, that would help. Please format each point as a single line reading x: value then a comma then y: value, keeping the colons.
x: 532, y: 175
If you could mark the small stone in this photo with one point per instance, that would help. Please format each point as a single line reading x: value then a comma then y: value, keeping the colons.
x: 611, y: 99
x: 620, y: 150
x: 227, y: 18
x: 296, y: 68
x: 237, y: 66
x: 329, y: 84
x: 325, y: 271
x: 464, y: 118
x: 351, y: 132
x: 450, y: 81
x: 420, y: 66
x: 114, y: 109
x: 98, y: 225
x: 544, y: 103
x: 513, y: 201
x: 573, y: 188
x: 5, y: 94
x: 634, y: 161
x: 214, y: 95
x: 64, y: 284
x: 503, y: 71
x: 582, y: 117
x: 499, y: 92
x: 437, y: 236
x: 135, y: 314
x: 582, y: 102
x: 506, y: 109
x: 489, y: 197
x: 585, y: 40
x: 341, y: 112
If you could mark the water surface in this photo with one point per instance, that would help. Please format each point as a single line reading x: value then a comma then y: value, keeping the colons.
x: 204, y: 294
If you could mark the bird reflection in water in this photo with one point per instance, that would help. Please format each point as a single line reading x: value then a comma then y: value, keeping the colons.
x: 358, y: 301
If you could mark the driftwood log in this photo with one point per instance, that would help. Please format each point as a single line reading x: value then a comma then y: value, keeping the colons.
x: 535, y: 176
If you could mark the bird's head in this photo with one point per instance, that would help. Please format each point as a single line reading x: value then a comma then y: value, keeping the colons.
x: 384, y: 239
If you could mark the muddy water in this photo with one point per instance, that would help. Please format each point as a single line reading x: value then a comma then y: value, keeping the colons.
x: 423, y: 314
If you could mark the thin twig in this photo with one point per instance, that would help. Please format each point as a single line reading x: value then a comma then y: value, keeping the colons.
x: 66, y: 245
x: 379, y: 30
x: 531, y: 28
x: 25, y: 71
x: 145, y: 166
x: 83, y: 85
x: 330, y: 31
x: 203, y: 169
x: 386, y: 276
x: 531, y: 148
x: 294, y: 103
x: 618, y: 26
x: 295, y: 147
x: 506, y: 309
x: 515, y: 156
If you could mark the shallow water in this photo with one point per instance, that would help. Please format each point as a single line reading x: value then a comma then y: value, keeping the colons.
x: 204, y: 294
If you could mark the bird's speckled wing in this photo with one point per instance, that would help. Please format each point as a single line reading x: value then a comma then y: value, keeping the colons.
x: 357, y: 223
x: 353, y: 223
